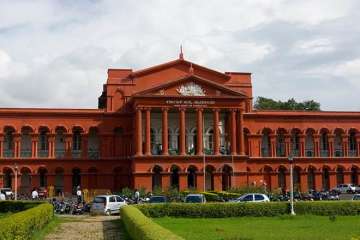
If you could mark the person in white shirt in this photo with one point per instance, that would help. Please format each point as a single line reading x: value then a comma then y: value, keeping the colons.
x: 79, y: 194
x: 137, y: 196
x: 2, y: 197
x: 34, y: 194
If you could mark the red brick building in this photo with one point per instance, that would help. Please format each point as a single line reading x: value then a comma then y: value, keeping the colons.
x: 214, y: 139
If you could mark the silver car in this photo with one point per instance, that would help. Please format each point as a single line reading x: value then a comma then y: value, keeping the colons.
x: 346, y: 188
x: 107, y: 204
x: 253, y: 197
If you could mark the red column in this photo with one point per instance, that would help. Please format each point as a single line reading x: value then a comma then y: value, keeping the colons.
x: 34, y: 145
x: 216, y: 132
x: 148, y: 132
x: 138, y: 132
x: 331, y: 145
x: 84, y: 145
x: 317, y: 145
x: 273, y: 145
x: 332, y: 178
x: 233, y: 132
x: 345, y: 145
x: 51, y: 145
x: 182, y: 143
x: 199, y: 150
x: 1, y: 145
x: 318, y: 181
x: 17, y: 141
x: 241, y: 148
x: 165, y: 143
x: 68, y: 145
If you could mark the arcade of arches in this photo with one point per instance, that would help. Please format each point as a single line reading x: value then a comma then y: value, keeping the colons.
x: 213, y: 139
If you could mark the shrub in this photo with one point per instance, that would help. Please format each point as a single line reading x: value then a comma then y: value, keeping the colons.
x: 220, y: 210
x: 22, y: 225
x: 328, y: 208
x: 140, y: 227
x: 214, y: 210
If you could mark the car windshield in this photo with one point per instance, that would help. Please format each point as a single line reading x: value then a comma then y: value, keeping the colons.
x: 158, y: 199
x: 100, y: 200
x: 193, y: 199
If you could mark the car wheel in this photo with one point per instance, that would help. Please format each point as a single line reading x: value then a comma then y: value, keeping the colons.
x: 108, y: 213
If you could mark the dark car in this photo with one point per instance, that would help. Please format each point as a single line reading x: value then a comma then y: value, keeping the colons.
x: 158, y: 199
x: 195, y: 198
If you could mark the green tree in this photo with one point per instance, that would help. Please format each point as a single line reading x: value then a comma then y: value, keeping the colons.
x: 263, y: 103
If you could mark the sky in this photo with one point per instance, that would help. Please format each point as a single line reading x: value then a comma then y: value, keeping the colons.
x: 56, y: 53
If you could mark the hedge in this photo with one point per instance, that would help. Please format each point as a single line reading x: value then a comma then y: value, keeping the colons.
x: 222, y: 210
x: 21, y: 225
x: 140, y: 227
x: 16, y: 206
x: 214, y: 210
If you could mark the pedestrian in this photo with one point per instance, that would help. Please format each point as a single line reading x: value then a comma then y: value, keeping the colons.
x: 79, y: 194
x: 137, y: 196
x: 34, y: 194
x: 2, y: 196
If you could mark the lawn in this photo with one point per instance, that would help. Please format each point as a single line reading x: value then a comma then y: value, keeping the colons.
x: 248, y: 228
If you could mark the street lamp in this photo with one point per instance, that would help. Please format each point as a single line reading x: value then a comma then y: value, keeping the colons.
x: 291, y: 160
x: 16, y: 172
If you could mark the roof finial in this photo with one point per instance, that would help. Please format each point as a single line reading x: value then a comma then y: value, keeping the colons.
x: 191, y: 69
x: 181, y: 55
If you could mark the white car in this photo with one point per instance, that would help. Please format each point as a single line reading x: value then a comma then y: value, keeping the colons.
x: 346, y: 188
x: 107, y: 204
x: 253, y: 197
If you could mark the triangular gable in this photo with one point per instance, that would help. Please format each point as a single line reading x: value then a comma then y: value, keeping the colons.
x: 191, y: 86
x: 170, y: 64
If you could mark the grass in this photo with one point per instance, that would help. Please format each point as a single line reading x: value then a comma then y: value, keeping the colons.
x: 275, y: 228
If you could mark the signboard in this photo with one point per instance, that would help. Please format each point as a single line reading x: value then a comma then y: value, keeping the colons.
x: 190, y: 103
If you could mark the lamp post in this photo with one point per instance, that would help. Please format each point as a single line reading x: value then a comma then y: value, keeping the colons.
x: 16, y: 174
x: 291, y: 160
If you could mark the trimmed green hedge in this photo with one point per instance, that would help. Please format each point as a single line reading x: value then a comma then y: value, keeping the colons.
x: 214, y: 210
x: 16, y: 206
x: 22, y: 225
x: 140, y: 227
x: 328, y: 208
x: 221, y: 210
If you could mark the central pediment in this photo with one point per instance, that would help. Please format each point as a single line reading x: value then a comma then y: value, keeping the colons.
x: 191, y: 86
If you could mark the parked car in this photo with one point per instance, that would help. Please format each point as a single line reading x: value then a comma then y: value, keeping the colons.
x: 195, y: 198
x: 253, y: 197
x: 356, y: 197
x: 8, y: 192
x: 357, y: 188
x: 107, y: 204
x: 158, y: 199
x: 345, y: 188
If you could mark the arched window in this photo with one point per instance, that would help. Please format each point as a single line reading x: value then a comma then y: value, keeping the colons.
x: 354, y: 175
x: 352, y: 144
x: 309, y: 143
x: 209, y: 177
x: 227, y: 172
x: 93, y: 144
x: 295, y: 142
x: 9, y: 142
x: 191, y: 177
x: 311, y: 179
x: 26, y: 149
x: 174, y: 177
x: 76, y: 144
x: 280, y: 143
x: 43, y: 150
x: 282, y: 178
x: 339, y: 175
x: 265, y: 143
x: 42, y: 177
x: 326, y: 179
x: 324, y: 144
x: 60, y: 142
x: 76, y: 179
x: 338, y: 144
x: 156, y: 178
x: 209, y: 143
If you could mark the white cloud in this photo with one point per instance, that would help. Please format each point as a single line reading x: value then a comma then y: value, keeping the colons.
x: 321, y: 45
x: 55, y: 53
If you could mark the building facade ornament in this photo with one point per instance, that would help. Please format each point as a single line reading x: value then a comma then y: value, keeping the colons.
x: 191, y: 89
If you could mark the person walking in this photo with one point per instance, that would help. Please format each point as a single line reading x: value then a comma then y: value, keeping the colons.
x: 79, y: 194
x: 137, y: 196
x: 34, y: 194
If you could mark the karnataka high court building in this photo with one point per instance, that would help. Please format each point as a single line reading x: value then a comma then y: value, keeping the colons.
x: 177, y: 124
